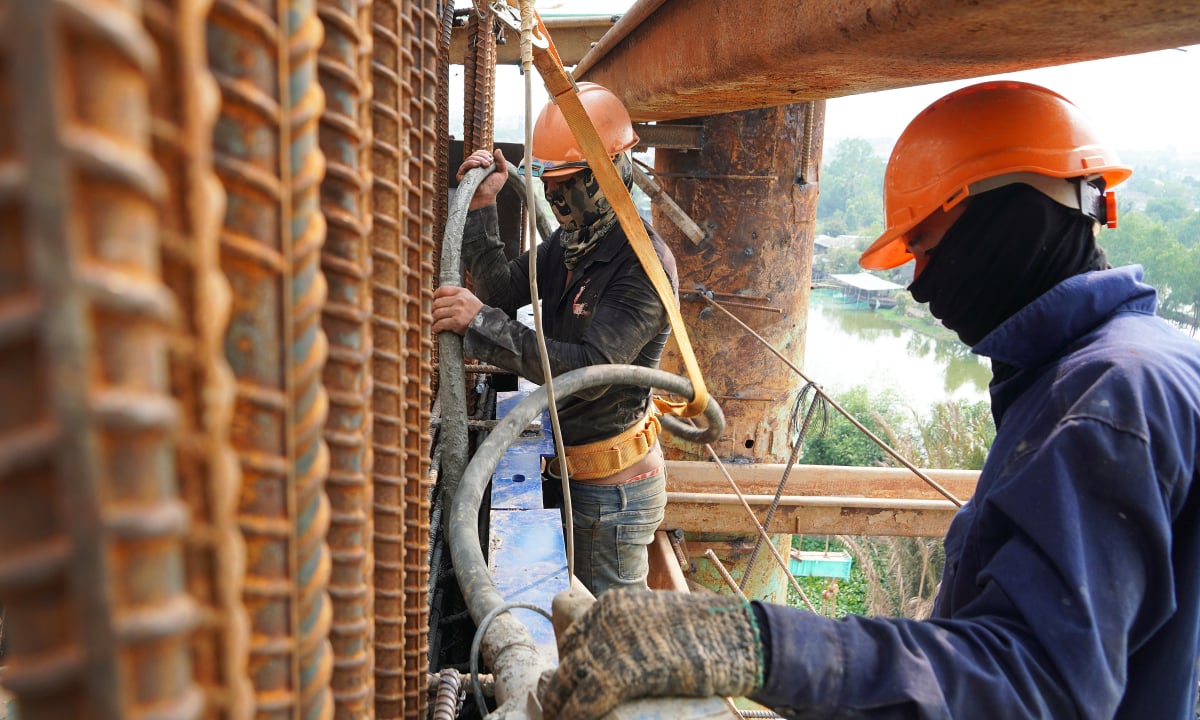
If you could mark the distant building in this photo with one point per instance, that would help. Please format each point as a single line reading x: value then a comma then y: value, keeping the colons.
x: 866, y: 288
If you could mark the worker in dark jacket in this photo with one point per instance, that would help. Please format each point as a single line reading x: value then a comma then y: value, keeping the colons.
x: 1072, y: 580
x: 598, y: 307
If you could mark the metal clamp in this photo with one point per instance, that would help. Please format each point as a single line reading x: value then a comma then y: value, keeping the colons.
x: 511, y: 17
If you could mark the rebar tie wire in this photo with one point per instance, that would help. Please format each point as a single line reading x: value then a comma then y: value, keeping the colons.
x: 833, y: 403
x: 798, y: 434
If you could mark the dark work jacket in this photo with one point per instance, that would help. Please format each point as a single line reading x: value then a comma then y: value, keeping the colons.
x: 1072, y: 582
x: 608, y: 313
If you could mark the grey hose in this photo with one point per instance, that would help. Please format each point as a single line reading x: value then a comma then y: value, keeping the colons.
x: 470, y: 568
x: 452, y: 379
x: 516, y: 183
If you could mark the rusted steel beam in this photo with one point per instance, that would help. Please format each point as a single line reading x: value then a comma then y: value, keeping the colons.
x: 92, y: 528
x: 390, y: 121
x: 425, y: 176
x: 711, y: 56
x: 185, y: 110
x: 345, y: 133
x: 573, y: 38
x: 817, y: 480
x: 669, y: 136
x: 267, y: 155
x: 816, y: 500
x: 751, y: 160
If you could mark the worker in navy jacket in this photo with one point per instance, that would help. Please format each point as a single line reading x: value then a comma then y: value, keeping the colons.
x: 1072, y: 579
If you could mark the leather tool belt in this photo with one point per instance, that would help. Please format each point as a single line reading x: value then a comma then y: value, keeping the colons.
x: 602, y: 458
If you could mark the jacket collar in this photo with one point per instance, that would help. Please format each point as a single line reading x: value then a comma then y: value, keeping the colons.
x: 1042, y: 329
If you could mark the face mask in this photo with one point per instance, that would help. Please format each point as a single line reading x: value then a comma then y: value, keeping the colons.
x: 1009, y: 247
x: 583, y: 212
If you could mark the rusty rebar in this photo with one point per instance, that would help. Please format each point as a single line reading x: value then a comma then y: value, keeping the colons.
x: 266, y: 154
x: 185, y: 109
x: 424, y: 171
x: 308, y: 401
x: 91, y: 525
x: 479, y: 81
x: 346, y: 262
x: 390, y: 121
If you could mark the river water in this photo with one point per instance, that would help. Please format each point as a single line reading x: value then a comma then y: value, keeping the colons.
x: 849, y: 344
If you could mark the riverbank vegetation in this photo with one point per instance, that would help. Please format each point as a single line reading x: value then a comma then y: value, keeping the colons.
x: 891, y: 576
x: 1158, y: 213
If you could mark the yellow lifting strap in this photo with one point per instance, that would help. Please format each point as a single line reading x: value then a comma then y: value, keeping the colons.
x: 562, y: 88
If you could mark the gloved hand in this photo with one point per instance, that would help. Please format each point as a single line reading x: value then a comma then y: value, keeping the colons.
x: 633, y: 644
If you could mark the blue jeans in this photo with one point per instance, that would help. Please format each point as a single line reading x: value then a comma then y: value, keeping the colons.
x: 614, y: 525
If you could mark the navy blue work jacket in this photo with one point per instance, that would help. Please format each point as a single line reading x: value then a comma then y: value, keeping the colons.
x: 1072, y: 582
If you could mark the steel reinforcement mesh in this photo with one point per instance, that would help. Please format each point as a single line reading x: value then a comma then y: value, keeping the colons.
x: 418, y: 357
x: 346, y: 260
x: 185, y: 106
x: 91, y: 525
x: 264, y: 57
x: 389, y: 148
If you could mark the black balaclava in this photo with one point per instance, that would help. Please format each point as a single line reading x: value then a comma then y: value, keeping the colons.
x: 583, y: 212
x: 1009, y: 246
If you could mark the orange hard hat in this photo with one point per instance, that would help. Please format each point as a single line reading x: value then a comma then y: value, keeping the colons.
x: 980, y: 133
x: 554, y: 145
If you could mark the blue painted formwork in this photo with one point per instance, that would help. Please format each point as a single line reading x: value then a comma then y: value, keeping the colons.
x: 527, y: 555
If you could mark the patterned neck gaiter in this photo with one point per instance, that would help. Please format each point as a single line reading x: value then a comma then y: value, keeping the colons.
x: 583, y: 212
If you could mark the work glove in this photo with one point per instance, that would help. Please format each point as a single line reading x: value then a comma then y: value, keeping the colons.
x: 633, y: 644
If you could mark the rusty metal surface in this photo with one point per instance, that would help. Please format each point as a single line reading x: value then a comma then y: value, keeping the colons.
x: 266, y: 154
x: 425, y: 176
x: 765, y: 255
x: 707, y: 57
x: 185, y: 105
x: 346, y: 262
x: 816, y: 499
x: 479, y: 83
x: 91, y: 525
x: 389, y: 151
x: 573, y: 38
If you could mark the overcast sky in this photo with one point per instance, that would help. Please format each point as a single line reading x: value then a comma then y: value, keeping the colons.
x: 1138, y: 102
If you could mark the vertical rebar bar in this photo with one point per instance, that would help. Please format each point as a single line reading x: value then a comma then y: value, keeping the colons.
x: 309, y: 403
x: 479, y: 82
x: 420, y: 242
x: 266, y: 153
x: 91, y: 526
x: 346, y: 261
x: 389, y: 146
x: 186, y: 101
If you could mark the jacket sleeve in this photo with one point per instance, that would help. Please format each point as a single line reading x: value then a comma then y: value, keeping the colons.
x: 628, y: 316
x: 499, y: 282
x: 1070, y: 544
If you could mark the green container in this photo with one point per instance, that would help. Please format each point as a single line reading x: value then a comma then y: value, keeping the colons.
x: 817, y: 563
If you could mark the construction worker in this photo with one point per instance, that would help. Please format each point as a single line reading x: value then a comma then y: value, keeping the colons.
x: 598, y: 306
x: 1071, y: 586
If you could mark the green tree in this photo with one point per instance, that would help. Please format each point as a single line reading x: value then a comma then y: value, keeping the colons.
x: 851, y: 191
x: 895, y: 576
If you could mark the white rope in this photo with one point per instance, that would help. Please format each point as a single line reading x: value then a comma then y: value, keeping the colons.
x: 530, y: 230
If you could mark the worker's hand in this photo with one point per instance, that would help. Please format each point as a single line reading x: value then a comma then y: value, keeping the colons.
x: 492, y: 184
x: 633, y: 644
x: 453, y: 309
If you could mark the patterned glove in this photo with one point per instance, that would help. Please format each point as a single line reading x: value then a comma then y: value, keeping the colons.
x: 633, y: 644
